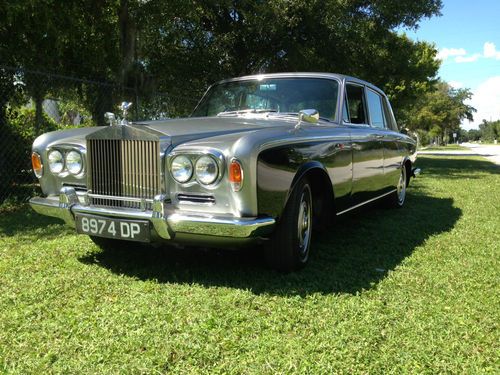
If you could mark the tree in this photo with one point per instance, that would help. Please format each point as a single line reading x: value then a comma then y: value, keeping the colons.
x: 489, y: 130
x: 440, y: 111
x: 205, y: 41
x: 180, y: 47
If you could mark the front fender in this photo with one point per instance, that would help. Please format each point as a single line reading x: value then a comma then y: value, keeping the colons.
x: 276, y: 181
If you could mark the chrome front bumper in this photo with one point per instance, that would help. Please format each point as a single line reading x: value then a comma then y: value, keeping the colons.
x: 168, y: 224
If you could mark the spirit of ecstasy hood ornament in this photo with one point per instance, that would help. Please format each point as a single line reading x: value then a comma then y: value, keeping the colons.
x: 125, y: 106
x: 111, y: 118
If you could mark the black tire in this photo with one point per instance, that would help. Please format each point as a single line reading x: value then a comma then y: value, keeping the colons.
x: 397, y: 199
x: 288, y: 249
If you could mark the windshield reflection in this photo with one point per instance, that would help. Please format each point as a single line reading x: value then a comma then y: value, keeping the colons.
x: 275, y: 95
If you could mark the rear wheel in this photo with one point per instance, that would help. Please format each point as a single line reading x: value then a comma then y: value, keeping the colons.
x: 397, y: 199
x: 289, y: 248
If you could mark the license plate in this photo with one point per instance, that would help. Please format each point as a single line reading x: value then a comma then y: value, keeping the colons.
x: 131, y: 230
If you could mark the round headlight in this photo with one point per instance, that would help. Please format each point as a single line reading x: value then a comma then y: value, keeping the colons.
x: 74, y: 162
x: 56, y: 161
x: 181, y: 169
x: 207, y: 170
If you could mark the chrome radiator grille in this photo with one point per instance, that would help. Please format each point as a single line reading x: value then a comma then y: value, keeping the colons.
x: 123, y: 173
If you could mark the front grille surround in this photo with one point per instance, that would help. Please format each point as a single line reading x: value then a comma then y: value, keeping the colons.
x: 121, y: 169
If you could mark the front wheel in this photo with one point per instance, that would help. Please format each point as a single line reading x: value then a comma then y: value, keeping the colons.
x: 289, y: 248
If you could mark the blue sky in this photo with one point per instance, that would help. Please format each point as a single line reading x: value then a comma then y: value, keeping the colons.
x: 467, y: 36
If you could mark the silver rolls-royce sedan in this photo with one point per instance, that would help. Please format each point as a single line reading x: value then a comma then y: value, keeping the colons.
x: 263, y: 159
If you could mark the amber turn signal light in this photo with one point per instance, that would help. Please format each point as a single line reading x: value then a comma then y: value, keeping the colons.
x: 235, y: 175
x: 36, y: 162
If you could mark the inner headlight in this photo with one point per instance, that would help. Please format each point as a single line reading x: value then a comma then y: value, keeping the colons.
x: 207, y: 170
x: 181, y: 169
x: 56, y: 161
x: 74, y: 162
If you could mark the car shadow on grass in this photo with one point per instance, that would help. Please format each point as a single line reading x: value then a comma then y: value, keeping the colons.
x: 22, y: 221
x: 354, y: 255
x: 457, y: 167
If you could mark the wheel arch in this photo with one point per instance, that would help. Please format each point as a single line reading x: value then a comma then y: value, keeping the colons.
x: 321, y: 189
x: 407, y: 164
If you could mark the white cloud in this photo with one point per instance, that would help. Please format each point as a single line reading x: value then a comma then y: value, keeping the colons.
x: 460, y: 54
x: 486, y: 100
x: 456, y: 84
x: 490, y: 51
x: 444, y: 53
x: 467, y: 59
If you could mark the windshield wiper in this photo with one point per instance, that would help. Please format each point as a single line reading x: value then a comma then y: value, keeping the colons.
x: 243, y: 111
x: 295, y: 114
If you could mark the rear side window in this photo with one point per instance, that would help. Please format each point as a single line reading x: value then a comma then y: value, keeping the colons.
x: 389, y: 116
x: 354, y: 111
x: 375, y: 109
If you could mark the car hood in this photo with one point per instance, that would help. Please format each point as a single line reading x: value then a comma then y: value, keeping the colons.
x: 174, y: 131
x: 188, y: 129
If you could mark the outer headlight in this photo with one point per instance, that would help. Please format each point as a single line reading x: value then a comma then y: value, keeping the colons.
x: 74, y: 162
x: 207, y: 170
x: 181, y: 169
x: 56, y: 161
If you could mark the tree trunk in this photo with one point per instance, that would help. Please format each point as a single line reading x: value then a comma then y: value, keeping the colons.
x: 103, y: 102
x: 38, y: 113
x: 128, y: 32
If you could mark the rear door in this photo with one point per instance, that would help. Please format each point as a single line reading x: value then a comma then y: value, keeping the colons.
x: 368, y: 150
x: 380, y: 120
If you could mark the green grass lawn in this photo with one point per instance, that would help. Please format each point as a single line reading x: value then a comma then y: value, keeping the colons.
x: 450, y: 147
x: 414, y: 290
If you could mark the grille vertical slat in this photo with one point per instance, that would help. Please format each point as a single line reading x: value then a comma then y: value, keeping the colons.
x: 123, y: 168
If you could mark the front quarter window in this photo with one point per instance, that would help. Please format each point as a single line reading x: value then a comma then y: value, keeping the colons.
x: 282, y: 95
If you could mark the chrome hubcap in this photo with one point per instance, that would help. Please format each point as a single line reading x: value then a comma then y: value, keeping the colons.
x: 402, y: 185
x: 304, y: 222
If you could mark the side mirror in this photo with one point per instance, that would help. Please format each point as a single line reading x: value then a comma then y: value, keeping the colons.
x: 308, y: 115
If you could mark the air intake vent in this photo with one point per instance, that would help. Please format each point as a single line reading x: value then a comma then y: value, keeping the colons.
x: 195, y: 199
x: 121, y: 169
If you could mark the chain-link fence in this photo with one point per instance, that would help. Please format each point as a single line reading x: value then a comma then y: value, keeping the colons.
x: 33, y: 103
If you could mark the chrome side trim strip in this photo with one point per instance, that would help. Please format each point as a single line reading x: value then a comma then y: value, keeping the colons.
x: 363, y: 203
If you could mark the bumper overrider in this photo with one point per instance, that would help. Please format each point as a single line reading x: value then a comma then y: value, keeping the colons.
x: 166, y: 224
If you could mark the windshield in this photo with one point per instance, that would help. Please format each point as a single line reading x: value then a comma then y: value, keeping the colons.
x: 281, y: 95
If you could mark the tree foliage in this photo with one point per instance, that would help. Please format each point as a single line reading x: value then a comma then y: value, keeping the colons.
x: 490, y: 130
x: 440, y: 111
x: 205, y: 41
x: 180, y: 47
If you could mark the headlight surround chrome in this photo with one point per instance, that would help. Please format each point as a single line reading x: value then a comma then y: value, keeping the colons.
x: 56, y: 161
x: 74, y: 162
x: 206, y: 170
x: 181, y: 168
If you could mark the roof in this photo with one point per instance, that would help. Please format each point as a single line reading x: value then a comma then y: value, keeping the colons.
x: 340, y: 77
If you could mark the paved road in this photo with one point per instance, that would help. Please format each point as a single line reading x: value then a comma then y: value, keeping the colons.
x: 490, y: 152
